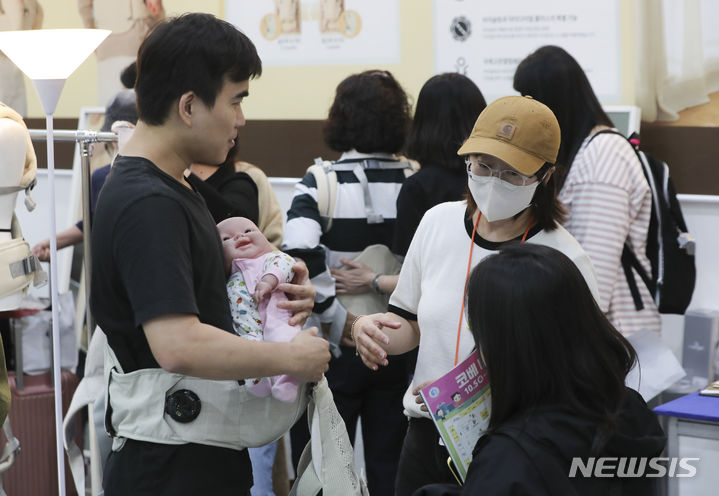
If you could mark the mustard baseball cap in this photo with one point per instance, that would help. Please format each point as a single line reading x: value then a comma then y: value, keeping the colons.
x: 518, y: 130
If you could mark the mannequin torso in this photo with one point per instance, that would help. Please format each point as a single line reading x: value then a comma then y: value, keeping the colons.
x: 12, y: 149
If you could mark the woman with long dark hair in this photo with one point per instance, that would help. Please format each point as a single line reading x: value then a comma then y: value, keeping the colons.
x: 602, y: 185
x: 556, y: 370
x: 447, y: 106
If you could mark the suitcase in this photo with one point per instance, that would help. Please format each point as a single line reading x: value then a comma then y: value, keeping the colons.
x: 32, y: 415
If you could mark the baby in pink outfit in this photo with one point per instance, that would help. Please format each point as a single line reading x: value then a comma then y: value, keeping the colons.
x: 255, y: 269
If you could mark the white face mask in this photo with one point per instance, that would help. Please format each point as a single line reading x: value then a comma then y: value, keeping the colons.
x: 498, y: 199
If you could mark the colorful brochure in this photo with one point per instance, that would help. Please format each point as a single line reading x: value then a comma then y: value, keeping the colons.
x: 459, y: 403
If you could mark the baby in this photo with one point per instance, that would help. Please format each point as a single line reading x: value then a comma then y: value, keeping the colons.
x: 255, y: 268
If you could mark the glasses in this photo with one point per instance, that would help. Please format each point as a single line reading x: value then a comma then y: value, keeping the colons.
x: 480, y: 169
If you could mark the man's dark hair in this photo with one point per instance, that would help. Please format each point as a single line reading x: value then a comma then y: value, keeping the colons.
x: 447, y: 106
x: 370, y: 114
x: 555, y: 78
x: 193, y: 52
x: 537, y: 324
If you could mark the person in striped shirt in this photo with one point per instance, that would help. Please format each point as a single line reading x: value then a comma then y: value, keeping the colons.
x: 367, y: 124
x: 602, y: 184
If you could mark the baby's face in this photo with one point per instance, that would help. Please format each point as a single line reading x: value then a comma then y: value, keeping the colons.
x: 241, y: 238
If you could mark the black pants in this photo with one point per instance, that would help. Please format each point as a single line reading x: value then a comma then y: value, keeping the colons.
x: 377, y: 397
x: 423, y: 461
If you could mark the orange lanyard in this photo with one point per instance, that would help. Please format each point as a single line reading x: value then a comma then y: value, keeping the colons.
x: 466, y: 279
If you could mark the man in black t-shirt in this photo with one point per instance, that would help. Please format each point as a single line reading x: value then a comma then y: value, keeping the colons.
x: 158, y: 286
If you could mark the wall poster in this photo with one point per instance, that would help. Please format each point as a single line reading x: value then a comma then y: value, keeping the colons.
x: 486, y: 40
x: 319, y: 32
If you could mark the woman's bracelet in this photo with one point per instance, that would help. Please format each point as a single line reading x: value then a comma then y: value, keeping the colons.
x: 352, y: 332
x: 375, y: 284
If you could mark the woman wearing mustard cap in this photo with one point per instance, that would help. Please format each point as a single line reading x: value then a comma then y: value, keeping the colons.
x: 510, y: 158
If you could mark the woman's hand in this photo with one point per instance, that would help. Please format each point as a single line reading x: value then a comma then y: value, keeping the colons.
x: 300, y: 295
x: 358, y: 279
x: 418, y: 397
x: 346, y: 339
x: 369, y: 338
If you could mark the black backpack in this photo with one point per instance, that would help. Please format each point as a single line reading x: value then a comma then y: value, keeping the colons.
x: 670, y: 248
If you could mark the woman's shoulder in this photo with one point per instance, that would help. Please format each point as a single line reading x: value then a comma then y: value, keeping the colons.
x: 605, y: 158
x: 437, y: 220
x: 446, y: 210
x: 560, y: 239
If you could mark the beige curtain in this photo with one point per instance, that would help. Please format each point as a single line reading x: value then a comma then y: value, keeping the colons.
x: 678, y: 56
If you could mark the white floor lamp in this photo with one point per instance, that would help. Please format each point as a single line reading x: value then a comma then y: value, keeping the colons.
x: 48, y: 57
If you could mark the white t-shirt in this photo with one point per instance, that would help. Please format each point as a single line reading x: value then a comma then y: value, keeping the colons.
x: 431, y: 285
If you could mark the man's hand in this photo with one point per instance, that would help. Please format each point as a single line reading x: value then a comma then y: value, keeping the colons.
x: 300, y: 295
x: 311, y: 356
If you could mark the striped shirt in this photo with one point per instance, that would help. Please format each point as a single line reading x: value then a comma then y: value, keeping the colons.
x: 350, y: 232
x: 609, y: 201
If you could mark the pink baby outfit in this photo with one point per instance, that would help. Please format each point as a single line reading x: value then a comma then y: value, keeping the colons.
x: 263, y: 322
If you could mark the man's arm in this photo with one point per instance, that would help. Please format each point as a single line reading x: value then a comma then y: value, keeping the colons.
x: 182, y: 344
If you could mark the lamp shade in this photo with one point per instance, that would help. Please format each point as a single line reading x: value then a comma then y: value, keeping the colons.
x: 50, y: 53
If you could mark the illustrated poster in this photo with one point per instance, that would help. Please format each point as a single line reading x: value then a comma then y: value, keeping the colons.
x: 320, y: 32
x: 486, y: 40
x: 459, y: 403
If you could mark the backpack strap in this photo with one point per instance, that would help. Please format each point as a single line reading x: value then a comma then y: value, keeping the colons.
x: 629, y: 262
x: 326, y: 180
x: 325, y: 174
x: 608, y: 131
x: 629, y: 258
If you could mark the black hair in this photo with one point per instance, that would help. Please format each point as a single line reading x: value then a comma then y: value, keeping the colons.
x: 129, y: 75
x: 122, y: 107
x: 555, y: 78
x: 194, y: 52
x: 544, y: 339
x: 370, y: 114
x: 447, y: 106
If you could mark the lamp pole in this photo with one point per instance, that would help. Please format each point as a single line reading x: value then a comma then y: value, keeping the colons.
x: 48, y: 57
